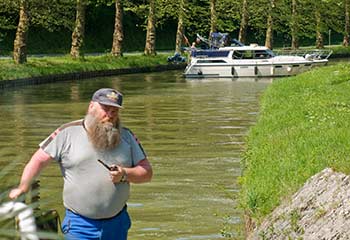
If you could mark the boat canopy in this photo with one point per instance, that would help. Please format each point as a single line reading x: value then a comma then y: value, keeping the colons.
x: 219, y: 40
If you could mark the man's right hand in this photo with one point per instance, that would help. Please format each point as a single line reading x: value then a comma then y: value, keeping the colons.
x: 15, y: 193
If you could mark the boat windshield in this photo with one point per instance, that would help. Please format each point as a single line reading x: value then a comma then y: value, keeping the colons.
x: 270, y: 52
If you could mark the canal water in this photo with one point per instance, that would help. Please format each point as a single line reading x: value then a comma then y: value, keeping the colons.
x: 192, y: 130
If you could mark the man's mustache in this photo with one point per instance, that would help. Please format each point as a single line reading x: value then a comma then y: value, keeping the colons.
x: 103, y: 133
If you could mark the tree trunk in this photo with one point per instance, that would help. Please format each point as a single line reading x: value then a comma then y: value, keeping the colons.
x: 347, y: 24
x: 294, y: 27
x: 150, y: 47
x: 213, y: 18
x: 319, y: 37
x: 180, y: 29
x: 79, y: 31
x: 118, y: 35
x: 269, y: 30
x: 20, y: 43
x: 242, y: 36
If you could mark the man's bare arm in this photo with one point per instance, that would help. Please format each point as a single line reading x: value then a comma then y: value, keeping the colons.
x: 39, y: 160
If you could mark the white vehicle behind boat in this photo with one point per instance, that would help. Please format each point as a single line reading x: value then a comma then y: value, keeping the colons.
x: 249, y: 61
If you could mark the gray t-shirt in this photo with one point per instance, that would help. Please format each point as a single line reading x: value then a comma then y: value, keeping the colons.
x: 88, y: 189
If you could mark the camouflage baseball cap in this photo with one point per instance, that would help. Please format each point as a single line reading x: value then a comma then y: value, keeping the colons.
x: 108, y: 96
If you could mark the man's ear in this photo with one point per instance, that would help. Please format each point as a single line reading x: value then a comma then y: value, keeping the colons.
x: 91, y: 105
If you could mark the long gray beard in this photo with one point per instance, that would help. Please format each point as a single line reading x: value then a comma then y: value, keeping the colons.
x: 103, y: 136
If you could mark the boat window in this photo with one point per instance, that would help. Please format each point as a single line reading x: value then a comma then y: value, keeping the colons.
x: 237, y: 54
x: 211, y: 61
x: 240, y: 54
x: 247, y: 55
x: 262, y: 54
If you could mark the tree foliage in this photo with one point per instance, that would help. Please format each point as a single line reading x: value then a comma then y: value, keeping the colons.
x: 52, y: 14
x: 8, y: 14
x: 292, y: 19
x: 49, y: 14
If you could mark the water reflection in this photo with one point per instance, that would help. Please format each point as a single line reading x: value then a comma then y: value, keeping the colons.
x: 245, y: 79
x: 193, y: 132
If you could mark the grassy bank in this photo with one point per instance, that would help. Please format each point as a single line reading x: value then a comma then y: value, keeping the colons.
x: 303, y: 127
x: 41, y: 66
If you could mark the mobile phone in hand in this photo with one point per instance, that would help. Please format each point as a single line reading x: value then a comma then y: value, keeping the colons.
x: 110, y: 168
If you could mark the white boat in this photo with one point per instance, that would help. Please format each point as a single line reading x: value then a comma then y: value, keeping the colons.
x: 249, y: 61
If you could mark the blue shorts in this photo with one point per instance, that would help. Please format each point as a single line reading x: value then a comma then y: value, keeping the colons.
x: 77, y: 227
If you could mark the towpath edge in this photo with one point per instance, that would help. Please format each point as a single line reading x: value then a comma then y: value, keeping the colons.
x: 86, y: 75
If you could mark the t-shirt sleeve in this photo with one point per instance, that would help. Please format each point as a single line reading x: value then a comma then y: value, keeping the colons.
x: 54, y: 145
x: 137, y: 151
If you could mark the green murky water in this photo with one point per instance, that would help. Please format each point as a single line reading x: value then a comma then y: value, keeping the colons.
x: 193, y: 132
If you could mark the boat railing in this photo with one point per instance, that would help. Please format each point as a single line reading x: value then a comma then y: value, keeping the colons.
x: 24, y: 214
x: 308, y: 54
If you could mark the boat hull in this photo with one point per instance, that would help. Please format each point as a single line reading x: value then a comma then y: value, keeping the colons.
x: 246, y: 70
x: 249, y: 61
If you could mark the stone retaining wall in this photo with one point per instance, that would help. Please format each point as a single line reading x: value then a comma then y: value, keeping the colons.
x: 320, y: 210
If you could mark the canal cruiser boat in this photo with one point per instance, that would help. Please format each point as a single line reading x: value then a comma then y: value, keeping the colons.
x: 238, y: 60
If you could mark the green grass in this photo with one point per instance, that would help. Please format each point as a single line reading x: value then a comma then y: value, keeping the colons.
x: 303, y: 127
x: 39, y: 66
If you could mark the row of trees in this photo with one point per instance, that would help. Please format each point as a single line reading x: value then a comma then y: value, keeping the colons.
x: 292, y: 19
x: 57, y: 14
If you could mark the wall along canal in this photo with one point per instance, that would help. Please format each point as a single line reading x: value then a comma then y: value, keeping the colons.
x: 193, y: 132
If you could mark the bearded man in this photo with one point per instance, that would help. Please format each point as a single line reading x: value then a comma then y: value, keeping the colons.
x: 94, y: 194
